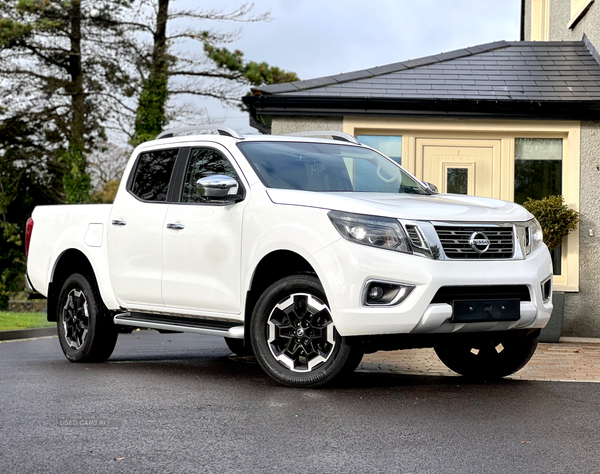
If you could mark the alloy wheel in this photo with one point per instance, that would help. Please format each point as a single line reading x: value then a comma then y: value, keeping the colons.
x: 76, y: 318
x: 301, y: 333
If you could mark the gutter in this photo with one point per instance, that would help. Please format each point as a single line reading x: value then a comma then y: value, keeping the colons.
x: 522, y: 20
x: 262, y: 107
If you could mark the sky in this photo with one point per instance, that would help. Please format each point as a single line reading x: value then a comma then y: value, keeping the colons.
x: 316, y: 38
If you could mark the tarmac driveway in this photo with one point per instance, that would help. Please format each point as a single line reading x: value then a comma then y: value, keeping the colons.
x: 179, y: 403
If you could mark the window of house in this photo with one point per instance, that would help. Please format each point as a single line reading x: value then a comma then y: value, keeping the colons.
x: 538, y: 174
x: 578, y: 10
x: 540, y: 20
x: 389, y: 145
x: 457, y: 180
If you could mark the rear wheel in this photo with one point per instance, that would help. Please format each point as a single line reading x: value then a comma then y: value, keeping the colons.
x: 85, y: 330
x: 294, y: 337
x: 491, y: 358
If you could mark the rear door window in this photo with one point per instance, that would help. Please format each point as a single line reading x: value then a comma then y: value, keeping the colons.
x: 153, y: 174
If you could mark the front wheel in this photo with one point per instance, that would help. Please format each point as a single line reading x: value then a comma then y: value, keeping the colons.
x: 85, y: 330
x: 294, y: 337
x: 490, y: 358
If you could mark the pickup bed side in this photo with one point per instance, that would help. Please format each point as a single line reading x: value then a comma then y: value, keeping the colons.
x: 62, y: 236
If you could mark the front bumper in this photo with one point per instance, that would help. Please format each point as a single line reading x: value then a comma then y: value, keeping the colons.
x: 345, y: 267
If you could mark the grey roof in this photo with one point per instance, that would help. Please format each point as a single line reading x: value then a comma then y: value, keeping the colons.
x: 506, y: 71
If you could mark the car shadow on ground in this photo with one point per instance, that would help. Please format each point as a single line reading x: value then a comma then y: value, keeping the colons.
x: 217, y: 365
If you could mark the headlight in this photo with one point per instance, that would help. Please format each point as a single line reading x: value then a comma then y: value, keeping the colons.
x: 533, y: 235
x: 380, y: 232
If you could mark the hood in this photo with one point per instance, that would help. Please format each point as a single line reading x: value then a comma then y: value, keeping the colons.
x: 436, y: 207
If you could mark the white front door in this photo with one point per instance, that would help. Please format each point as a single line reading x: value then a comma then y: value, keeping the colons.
x: 202, y: 249
x: 461, y: 166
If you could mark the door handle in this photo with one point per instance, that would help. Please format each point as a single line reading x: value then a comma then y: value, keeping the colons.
x: 175, y: 226
x: 119, y: 222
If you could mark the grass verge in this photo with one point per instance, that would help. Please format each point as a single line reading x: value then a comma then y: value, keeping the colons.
x: 13, y: 321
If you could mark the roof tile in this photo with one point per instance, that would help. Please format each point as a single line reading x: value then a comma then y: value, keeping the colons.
x: 459, y: 53
x: 502, y: 70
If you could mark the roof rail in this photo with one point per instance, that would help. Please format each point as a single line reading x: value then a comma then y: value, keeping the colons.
x: 341, y: 136
x: 226, y: 131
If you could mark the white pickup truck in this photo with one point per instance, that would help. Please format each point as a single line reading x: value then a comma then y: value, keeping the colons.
x: 305, y: 252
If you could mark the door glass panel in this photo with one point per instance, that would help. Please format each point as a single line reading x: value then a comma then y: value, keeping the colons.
x: 152, y: 175
x: 388, y: 145
x: 205, y: 162
x: 457, y: 180
x: 538, y: 174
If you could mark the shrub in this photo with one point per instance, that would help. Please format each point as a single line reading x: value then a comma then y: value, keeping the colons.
x: 555, y: 217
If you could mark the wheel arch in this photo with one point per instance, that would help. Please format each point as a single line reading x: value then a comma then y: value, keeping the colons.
x: 70, y: 261
x: 272, y: 267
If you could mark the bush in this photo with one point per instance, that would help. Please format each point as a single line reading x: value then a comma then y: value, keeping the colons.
x: 12, y: 261
x: 107, y: 194
x: 555, y: 217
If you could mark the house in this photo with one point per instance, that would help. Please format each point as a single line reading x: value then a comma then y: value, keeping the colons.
x: 507, y: 120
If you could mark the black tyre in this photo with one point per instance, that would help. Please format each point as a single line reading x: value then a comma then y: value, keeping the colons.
x: 492, y: 358
x: 85, y: 329
x: 237, y: 347
x: 294, y: 338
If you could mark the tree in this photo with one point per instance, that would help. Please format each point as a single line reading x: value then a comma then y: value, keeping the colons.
x: 151, y: 112
x: 168, y: 72
x: 53, y: 79
x: 106, y: 166
x: 255, y: 74
x: 27, y: 178
x: 52, y: 54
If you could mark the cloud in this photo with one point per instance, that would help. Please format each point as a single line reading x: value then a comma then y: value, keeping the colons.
x: 317, y: 38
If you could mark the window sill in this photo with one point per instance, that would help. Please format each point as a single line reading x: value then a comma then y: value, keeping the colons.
x: 565, y: 288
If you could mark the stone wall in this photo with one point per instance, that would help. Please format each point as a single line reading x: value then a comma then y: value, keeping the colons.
x: 34, y: 306
x: 560, y: 16
x: 284, y: 125
x: 527, y: 20
x: 582, y: 316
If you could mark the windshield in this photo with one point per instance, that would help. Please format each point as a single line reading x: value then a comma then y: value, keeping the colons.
x: 327, y: 167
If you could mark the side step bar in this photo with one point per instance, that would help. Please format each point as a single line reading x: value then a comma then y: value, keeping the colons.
x: 162, y: 322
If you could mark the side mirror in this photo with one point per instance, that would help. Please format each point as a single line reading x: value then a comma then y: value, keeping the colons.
x: 431, y: 187
x: 216, y: 186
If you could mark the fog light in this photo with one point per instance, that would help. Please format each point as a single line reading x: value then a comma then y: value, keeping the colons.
x: 547, y: 289
x: 380, y: 293
x: 375, y: 293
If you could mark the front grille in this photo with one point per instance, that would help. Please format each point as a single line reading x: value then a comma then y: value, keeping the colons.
x: 455, y: 241
x: 447, y: 294
x: 413, y: 235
